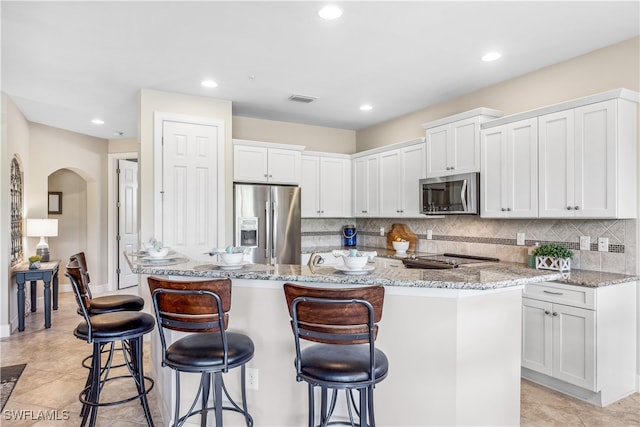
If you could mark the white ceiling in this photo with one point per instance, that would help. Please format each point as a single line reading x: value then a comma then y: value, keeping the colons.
x: 65, y: 63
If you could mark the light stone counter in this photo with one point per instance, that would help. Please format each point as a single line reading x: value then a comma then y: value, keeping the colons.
x: 483, y: 276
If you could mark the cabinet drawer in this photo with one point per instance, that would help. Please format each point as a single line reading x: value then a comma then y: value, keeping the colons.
x: 576, y: 296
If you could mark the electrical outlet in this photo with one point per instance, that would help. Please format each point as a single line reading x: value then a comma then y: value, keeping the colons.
x: 382, y: 231
x: 603, y: 244
x: 585, y: 243
x: 520, y: 239
x: 252, y: 378
x: 429, y: 234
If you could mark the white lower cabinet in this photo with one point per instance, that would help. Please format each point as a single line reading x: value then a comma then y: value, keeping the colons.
x: 580, y: 340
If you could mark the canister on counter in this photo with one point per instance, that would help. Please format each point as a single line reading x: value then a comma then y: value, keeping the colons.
x: 349, y: 235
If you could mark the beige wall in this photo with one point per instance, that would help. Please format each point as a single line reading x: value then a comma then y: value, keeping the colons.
x: 14, y: 140
x: 609, y: 68
x: 314, y: 138
x: 127, y: 145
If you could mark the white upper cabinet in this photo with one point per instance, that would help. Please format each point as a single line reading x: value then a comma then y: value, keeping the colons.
x: 453, y: 143
x: 326, y: 185
x: 509, y: 170
x: 400, y: 171
x: 260, y: 162
x: 588, y: 161
x: 366, y: 198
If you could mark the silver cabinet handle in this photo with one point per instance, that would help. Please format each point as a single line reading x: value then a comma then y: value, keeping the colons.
x: 552, y: 293
x: 569, y: 208
x: 555, y: 313
x: 576, y: 207
x: 547, y: 312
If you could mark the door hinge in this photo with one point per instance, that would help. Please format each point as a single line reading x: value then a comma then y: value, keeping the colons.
x: 118, y: 171
x: 118, y: 271
x: 118, y: 238
x: 118, y: 204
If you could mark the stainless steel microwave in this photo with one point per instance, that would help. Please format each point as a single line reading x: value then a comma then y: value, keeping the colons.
x: 453, y: 194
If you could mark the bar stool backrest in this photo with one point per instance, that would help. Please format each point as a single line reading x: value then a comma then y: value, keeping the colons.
x: 74, y: 273
x: 191, y: 306
x: 335, y: 316
x: 81, y: 259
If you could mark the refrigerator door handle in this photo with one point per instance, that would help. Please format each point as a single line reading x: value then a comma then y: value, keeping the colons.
x: 268, y: 236
x: 274, y: 234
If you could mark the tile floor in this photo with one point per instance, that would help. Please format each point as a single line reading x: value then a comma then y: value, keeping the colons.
x: 52, y: 379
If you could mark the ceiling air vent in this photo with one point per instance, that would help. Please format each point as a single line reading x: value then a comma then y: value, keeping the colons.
x: 305, y: 99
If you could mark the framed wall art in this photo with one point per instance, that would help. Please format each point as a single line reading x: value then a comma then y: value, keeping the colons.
x: 55, y: 202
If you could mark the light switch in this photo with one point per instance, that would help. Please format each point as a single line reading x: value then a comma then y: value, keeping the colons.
x: 520, y: 239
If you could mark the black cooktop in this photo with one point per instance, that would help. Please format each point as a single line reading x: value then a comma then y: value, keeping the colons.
x: 444, y: 261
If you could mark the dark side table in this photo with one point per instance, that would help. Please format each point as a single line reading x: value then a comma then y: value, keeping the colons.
x: 47, y: 272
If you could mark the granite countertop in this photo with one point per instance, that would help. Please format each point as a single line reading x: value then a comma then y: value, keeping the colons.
x: 489, y: 276
x: 576, y: 277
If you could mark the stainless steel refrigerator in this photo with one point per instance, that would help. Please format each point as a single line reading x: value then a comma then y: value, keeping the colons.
x: 267, y: 219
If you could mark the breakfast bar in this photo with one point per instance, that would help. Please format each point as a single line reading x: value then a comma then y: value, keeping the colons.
x: 448, y: 334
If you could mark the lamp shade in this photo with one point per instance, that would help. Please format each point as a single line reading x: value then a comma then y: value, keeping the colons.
x: 42, y: 227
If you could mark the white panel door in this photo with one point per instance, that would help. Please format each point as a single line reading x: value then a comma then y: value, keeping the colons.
x: 595, y: 160
x: 522, y: 164
x: 556, y: 165
x: 537, y: 339
x: 190, y: 187
x: 309, y: 184
x: 574, y: 332
x: 493, y: 176
x: 464, y: 147
x: 127, y: 239
x: 390, y: 183
x: 438, y: 151
x: 335, y: 187
x: 413, y: 168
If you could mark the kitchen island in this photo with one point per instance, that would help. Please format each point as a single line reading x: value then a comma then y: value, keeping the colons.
x: 453, y: 339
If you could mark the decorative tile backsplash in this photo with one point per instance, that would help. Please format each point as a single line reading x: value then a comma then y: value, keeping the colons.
x: 494, y: 237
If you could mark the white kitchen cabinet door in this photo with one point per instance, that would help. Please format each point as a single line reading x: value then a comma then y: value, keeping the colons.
x: 390, y: 175
x: 326, y: 186
x: 453, y: 148
x: 537, y: 338
x: 365, y: 186
x: 509, y: 170
x: 309, y: 185
x: 437, y: 151
x: 595, y: 160
x: 581, y: 166
x: 335, y: 187
x: 412, y: 169
x: 574, y: 333
x: 284, y: 166
x: 261, y: 164
x: 250, y: 164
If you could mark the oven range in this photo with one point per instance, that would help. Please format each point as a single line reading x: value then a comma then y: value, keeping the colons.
x: 447, y: 260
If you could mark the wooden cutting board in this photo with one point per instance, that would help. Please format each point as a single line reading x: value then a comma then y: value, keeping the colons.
x: 402, y: 231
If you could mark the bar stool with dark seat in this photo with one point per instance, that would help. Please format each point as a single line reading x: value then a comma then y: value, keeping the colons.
x: 106, y: 303
x: 201, y: 308
x: 343, y: 325
x: 128, y: 327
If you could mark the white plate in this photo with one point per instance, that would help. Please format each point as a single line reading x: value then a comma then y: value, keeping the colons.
x: 159, y: 259
x: 222, y: 266
x: 364, y: 270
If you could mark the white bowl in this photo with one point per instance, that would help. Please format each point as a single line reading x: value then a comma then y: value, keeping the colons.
x: 161, y: 253
x: 233, y: 258
x: 355, y: 262
x: 400, y: 247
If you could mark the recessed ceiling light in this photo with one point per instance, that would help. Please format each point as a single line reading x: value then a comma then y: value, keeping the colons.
x: 209, y: 84
x: 491, y: 56
x: 330, y: 12
x: 97, y: 121
x: 366, y: 107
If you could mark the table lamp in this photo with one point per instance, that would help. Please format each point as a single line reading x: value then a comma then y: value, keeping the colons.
x: 42, y: 228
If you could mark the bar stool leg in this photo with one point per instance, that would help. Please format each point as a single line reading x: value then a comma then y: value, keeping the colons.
x: 312, y: 406
x: 247, y: 418
x: 138, y: 375
x: 217, y: 395
x: 206, y: 390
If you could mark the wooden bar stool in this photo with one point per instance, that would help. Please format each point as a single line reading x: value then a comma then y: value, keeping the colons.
x: 201, y: 309
x: 127, y: 327
x: 343, y: 325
